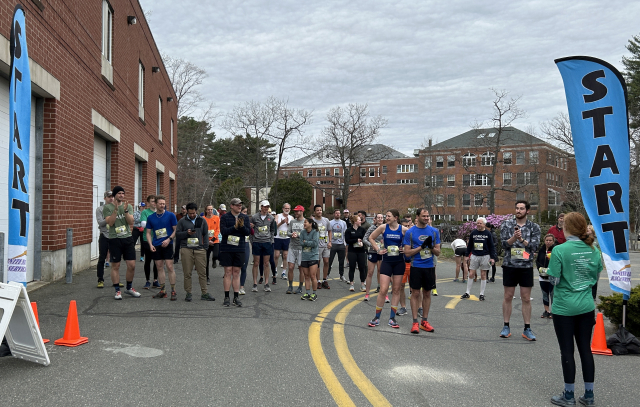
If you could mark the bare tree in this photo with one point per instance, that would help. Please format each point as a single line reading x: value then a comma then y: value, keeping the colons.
x: 558, y: 132
x: 185, y: 78
x: 349, y: 130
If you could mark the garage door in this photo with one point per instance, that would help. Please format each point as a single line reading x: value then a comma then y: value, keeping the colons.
x: 4, y: 171
x: 99, y: 186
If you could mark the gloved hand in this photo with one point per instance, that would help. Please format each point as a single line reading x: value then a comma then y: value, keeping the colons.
x: 428, y: 242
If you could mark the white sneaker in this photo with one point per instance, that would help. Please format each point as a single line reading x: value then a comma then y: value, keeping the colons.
x: 351, y: 288
x: 118, y: 295
x: 254, y: 288
x: 132, y: 293
x: 283, y: 276
x: 267, y: 288
x: 363, y: 287
x: 241, y: 292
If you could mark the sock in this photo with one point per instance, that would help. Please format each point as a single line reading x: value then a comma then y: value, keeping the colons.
x: 506, y: 324
x: 469, y: 284
x: 588, y: 387
x: 424, y: 319
x: 129, y: 284
x: 235, y: 294
x: 528, y: 326
x: 226, y: 294
x: 415, y: 320
x: 173, y: 287
x: 309, y: 292
x: 394, y: 308
x: 569, y: 388
x: 162, y: 287
x: 117, y: 286
x: 483, y: 284
x: 378, y: 311
x: 314, y: 292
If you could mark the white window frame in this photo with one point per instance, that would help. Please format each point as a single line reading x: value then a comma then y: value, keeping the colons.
x: 318, y: 172
x: 171, y: 135
x: 507, y: 155
x: 463, y: 197
x: 475, y: 199
x: 140, y: 90
x: 534, y: 157
x: 406, y: 168
x: 336, y: 172
x: 507, y: 176
x: 451, y: 202
x: 107, y: 31
x: 160, y: 118
x: 384, y: 169
x: 440, y: 161
x: 440, y: 200
x: 327, y: 172
x: 372, y: 172
x: 451, y: 161
x: 451, y: 180
x: 309, y: 173
x: 469, y: 160
x: 520, y: 154
x: 487, y: 159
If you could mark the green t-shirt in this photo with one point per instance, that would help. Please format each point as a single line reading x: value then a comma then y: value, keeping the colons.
x: 578, y: 267
x: 120, y: 229
x: 143, y: 218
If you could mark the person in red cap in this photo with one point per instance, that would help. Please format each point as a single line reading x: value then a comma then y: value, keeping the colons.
x: 294, y: 256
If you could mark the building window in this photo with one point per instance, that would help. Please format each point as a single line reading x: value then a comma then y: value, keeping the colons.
x: 407, y: 181
x: 466, y: 199
x: 451, y: 180
x: 141, y: 90
x: 521, y: 178
x: 519, y: 157
x: 483, y: 180
x: 284, y: 174
x: 488, y: 159
x: 451, y: 200
x: 468, y: 179
x: 160, y: 119
x: 310, y: 173
x: 506, y: 178
x: 451, y: 161
x: 363, y: 172
x: 404, y: 168
x: 372, y: 172
x: 439, y: 180
x: 430, y: 181
x: 327, y: 172
x: 318, y: 172
x: 506, y: 158
x: 469, y: 160
x: 554, y: 198
x: 478, y: 199
x: 427, y: 162
x: 467, y: 218
x: 533, y: 198
x: 520, y: 196
x: 171, y: 136
x: 384, y: 181
x: 300, y: 172
x: 336, y: 172
x: 107, y: 30
x: 439, y: 200
x: 533, y: 157
x: 439, y: 162
x: 489, y: 201
x: 384, y: 169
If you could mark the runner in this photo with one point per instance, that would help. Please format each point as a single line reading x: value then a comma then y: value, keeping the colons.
x: 357, y: 256
x: 150, y: 209
x: 264, y: 227
x: 213, y: 229
x: 324, y: 248
x: 421, y: 244
x: 137, y: 230
x: 483, y: 253
x: 374, y: 260
x: 491, y: 228
x: 119, y: 218
x: 193, y: 232
x: 346, y: 215
x: 392, y: 264
x: 338, y: 227
x: 161, y: 230
x: 459, y: 248
x: 281, y: 239
x: 407, y: 223
x: 294, y: 257
x: 176, y: 254
x: 434, y: 291
x: 103, y: 240
x: 234, y: 227
x: 520, y: 240
x: 247, y: 255
x: 363, y: 220
x: 542, y: 263
x: 309, y: 241
x: 222, y: 209
x: 556, y: 230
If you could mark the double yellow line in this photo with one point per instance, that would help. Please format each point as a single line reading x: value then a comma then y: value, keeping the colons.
x: 350, y: 366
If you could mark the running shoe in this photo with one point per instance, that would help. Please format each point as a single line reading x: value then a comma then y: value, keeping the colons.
x: 155, y: 284
x: 386, y: 299
x: 274, y: 281
x: 493, y: 280
x: 132, y: 292
x: 207, y: 297
x: 106, y: 264
x: 226, y: 302
x: 434, y: 292
x: 481, y: 297
x: 254, y: 288
x: 188, y: 297
x: 463, y: 281
x: 313, y: 297
x: 426, y: 326
x: 118, y: 295
x: 506, y: 332
x: 374, y: 322
x: 100, y: 284
x: 174, y: 296
x: 142, y: 259
x: 401, y: 311
x: 545, y: 314
x: 564, y: 399
x: 455, y: 280
x: 528, y: 335
x: 290, y: 290
x: 465, y: 296
x: 208, y: 281
x: 343, y: 278
x: 241, y: 292
x: 415, y: 328
x: 378, y: 289
x: 363, y: 288
x: 283, y: 276
x: 587, y: 399
x: 325, y: 285
x: 306, y: 296
x: 550, y: 315
x: 261, y: 280
x: 366, y: 297
x: 299, y: 290
x: 420, y: 312
x: 351, y: 288
x: 393, y: 323
x: 237, y: 302
x: 160, y: 294
x: 147, y: 285
x: 319, y: 285
x: 267, y: 288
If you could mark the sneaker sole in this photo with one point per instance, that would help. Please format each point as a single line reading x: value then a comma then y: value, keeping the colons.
x: 417, y: 331
x: 502, y: 336
x: 373, y: 325
x: 530, y: 340
x: 426, y: 330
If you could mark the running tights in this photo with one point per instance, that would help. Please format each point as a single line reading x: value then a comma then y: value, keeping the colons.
x: 361, y: 260
x: 341, y: 252
x: 148, y: 260
x: 578, y: 327
x: 243, y: 270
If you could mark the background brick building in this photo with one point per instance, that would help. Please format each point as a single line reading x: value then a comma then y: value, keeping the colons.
x: 103, y: 114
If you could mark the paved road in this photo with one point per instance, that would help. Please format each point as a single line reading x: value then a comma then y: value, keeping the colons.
x: 147, y: 351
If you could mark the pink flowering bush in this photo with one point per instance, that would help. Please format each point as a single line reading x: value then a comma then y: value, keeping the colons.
x: 496, y: 220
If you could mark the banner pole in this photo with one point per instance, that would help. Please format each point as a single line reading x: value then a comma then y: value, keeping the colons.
x: 624, y: 313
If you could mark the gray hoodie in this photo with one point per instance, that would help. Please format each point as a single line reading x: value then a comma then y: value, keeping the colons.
x: 201, y: 233
x: 264, y: 229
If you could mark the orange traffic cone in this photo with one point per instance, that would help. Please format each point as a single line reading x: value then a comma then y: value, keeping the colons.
x: 34, y: 307
x: 599, y: 340
x: 72, y: 330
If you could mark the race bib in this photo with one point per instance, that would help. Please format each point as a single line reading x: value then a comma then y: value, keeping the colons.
x: 212, y: 233
x: 306, y: 249
x: 478, y: 246
x: 233, y: 240
x: 425, y: 254
x: 283, y: 233
x: 518, y: 253
x: 337, y: 235
x: 263, y: 230
x: 393, y: 251
x: 356, y: 244
x: 543, y: 271
x: 322, y: 230
x: 193, y: 242
x: 121, y: 231
x: 160, y: 233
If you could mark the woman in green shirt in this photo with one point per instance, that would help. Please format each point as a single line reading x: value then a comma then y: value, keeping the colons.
x: 573, y: 269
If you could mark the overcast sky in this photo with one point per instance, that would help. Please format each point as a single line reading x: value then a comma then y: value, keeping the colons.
x: 426, y: 66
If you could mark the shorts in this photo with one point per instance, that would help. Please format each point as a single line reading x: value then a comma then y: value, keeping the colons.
x: 261, y: 249
x: 424, y: 278
x: 163, y: 253
x: 324, y: 252
x: 407, y: 273
x: 512, y: 276
x: 294, y: 256
x: 122, y: 249
x: 374, y: 257
x: 231, y: 259
x: 480, y: 262
x: 392, y: 269
x: 307, y: 264
x: 461, y: 251
x: 281, y: 244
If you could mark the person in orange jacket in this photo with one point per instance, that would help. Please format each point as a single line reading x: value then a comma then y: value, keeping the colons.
x: 213, y: 223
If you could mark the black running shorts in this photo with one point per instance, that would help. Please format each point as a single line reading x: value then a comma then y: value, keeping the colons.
x: 513, y: 276
x: 231, y: 259
x: 122, y: 249
x: 163, y: 253
x: 392, y: 269
x: 422, y: 278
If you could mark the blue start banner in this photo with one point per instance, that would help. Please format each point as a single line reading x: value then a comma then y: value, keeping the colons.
x: 596, y: 98
x: 19, y: 139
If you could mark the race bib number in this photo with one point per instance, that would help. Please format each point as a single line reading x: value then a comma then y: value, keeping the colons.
x: 337, y: 235
x: 425, y: 254
x: 233, y: 240
x: 518, y: 253
x: 263, y: 230
x: 478, y: 246
x: 543, y: 271
x: 357, y: 244
x: 322, y: 230
x: 160, y: 233
x: 121, y: 231
x: 212, y: 234
x: 306, y: 249
x: 393, y: 251
x: 283, y: 233
x: 193, y: 242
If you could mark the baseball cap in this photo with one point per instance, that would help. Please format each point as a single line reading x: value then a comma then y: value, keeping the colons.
x: 143, y: 204
x: 235, y: 201
x: 299, y: 208
x: 222, y: 207
x: 273, y: 212
x: 265, y: 203
x: 346, y: 211
x: 108, y: 194
x: 184, y: 206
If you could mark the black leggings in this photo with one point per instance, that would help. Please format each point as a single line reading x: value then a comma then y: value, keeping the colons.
x: 215, y: 249
x: 361, y: 260
x: 332, y: 255
x: 148, y: 259
x: 578, y: 327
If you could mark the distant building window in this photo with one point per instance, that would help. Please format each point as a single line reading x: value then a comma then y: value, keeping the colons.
x: 533, y: 198
x: 519, y: 157
x: 407, y: 181
x: 439, y: 180
x: 506, y: 158
x: 427, y: 162
x: 506, y: 178
x: 468, y: 179
x: 554, y: 198
x: 466, y: 199
x: 451, y: 180
x: 439, y: 162
x: 439, y: 200
x: 478, y: 199
x: 384, y: 181
x: 533, y: 157
x: 336, y: 172
x: 327, y: 172
x: 526, y: 178
x: 310, y: 173
x: 520, y: 196
x: 285, y: 174
x: 404, y: 168
x: 372, y: 171
x: 451, y: 200
x: 318, y: 173
x: 171, y: 135
x: 300, y: 172
x: 363, y: 172
x: 483, y: 180
x: 107, y: 30
x: 160, y: 118
x: 469, y: 160
x: 384, y: 169
x: 141, y: 90
x: 451, y: 161
x: 488, y: 159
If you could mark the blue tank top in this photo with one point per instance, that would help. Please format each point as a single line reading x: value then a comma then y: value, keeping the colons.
x: 393, y: 243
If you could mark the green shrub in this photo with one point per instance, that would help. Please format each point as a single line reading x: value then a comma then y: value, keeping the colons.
x: 611, y: 307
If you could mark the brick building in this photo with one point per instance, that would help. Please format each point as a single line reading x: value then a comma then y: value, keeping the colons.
x: 453, y: 177
x: 103, y: 114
